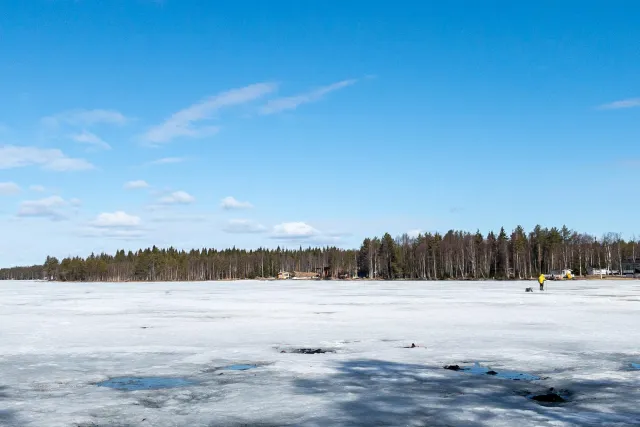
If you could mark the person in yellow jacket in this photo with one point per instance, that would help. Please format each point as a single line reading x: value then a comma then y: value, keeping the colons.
x: 541, y: 281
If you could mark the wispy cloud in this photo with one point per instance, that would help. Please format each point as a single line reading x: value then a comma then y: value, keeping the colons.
x: 85, y: 118
x: 37, y: 188
x: 12, y: 156
x: 9, y: 188
x: 184, y: 123
x: 89, y: 138
x: 166, y: 161
x: 49, y: 207
x: 244, y: 226
x: 116, y: 219
x: 229, y: 203
x: 292, y: 102
x: 177, y: 198
x: 131, y: 185
x: 617, y: 105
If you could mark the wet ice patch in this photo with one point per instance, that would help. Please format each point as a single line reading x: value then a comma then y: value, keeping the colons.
x: 239, y: 367
x: 478, y: 369
x: 635, y: 365
x: 144, y: 383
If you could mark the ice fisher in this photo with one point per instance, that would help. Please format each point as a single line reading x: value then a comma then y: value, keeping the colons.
x: 541, y: 281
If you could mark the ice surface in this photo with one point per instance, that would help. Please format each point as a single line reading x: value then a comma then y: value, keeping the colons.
x: 477, y: 369
x: 59, y: 340
x: 144, y: 383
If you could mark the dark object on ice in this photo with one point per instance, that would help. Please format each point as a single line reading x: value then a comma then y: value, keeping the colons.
x: 413, y: 345
x: 528, y: 290
x: 311, y: 351
x: 549, y: 398
x: 144, y: 383
x: 144, y: 327
x: 478, y: 369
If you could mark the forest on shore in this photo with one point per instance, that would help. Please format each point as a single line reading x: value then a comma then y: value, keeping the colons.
x: 431, y: 256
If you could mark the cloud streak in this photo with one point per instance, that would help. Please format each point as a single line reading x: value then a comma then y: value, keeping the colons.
x: 229, y: 203
x: 91, y: 139
x: 49, y: 207
x: 618, y: 105
x: 116, y: 219
x: 244, y: 226
x: 184, y: 123
x: 82, y: 117
x: 12, y: 156
x: 292, y: 102
x: 177, y: 198
x: 9, y: 188
x: 166, y: 161
x: 132, y: 185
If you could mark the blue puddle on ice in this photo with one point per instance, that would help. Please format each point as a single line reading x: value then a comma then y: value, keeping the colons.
x: 239, y: 367
x: 635, y: 365
x: 476, y: 369
x: 144, y: 383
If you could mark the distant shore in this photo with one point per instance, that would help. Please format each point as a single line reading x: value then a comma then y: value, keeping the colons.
x: 262, y: 279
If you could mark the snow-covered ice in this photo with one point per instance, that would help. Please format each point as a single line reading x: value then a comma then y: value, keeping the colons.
x: 59, y: 340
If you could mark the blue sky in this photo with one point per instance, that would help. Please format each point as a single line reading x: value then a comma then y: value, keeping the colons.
x: 125, y: 124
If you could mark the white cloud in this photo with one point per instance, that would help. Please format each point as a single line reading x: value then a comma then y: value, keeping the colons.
x: 136, y: 184
x: 12, y: 156
x: 167, y: 161
x: 414, y: 233
x: 75, y: 202
x: 244, y: 226
x: 294, y: 230
x: 115, y: 220
x: 49, y: 207
x: 85, y: 118
x: 177, y: 198
x: 9, y: 188
x: 625, y: 103
x: 183, y: 123
x: 231, y: 203
x: 89, y: 138
x: 37, y: 188
x: 293, y: 102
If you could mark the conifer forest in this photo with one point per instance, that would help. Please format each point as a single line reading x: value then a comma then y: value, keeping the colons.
x: 455, y: 255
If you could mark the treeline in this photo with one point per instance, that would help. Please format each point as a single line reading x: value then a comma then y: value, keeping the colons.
x: 454, y: 255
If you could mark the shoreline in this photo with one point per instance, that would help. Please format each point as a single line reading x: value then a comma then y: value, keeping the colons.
x: 582, y: 278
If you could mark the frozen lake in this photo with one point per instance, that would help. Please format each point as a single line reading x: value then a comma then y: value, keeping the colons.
x: 225, y: 354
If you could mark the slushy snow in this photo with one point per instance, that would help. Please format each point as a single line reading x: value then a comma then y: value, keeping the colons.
x: 58, y: 341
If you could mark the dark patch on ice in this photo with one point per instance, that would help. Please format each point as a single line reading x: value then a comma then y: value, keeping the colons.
x: 551, y: 397
x: 151, y: 403
x: 324, y: 312
x: 145, y: 383
x: 239, y: 367
x: 3, y: 393
x: 413, y: 345
x: 309, y: 351
x: 477, y: 369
